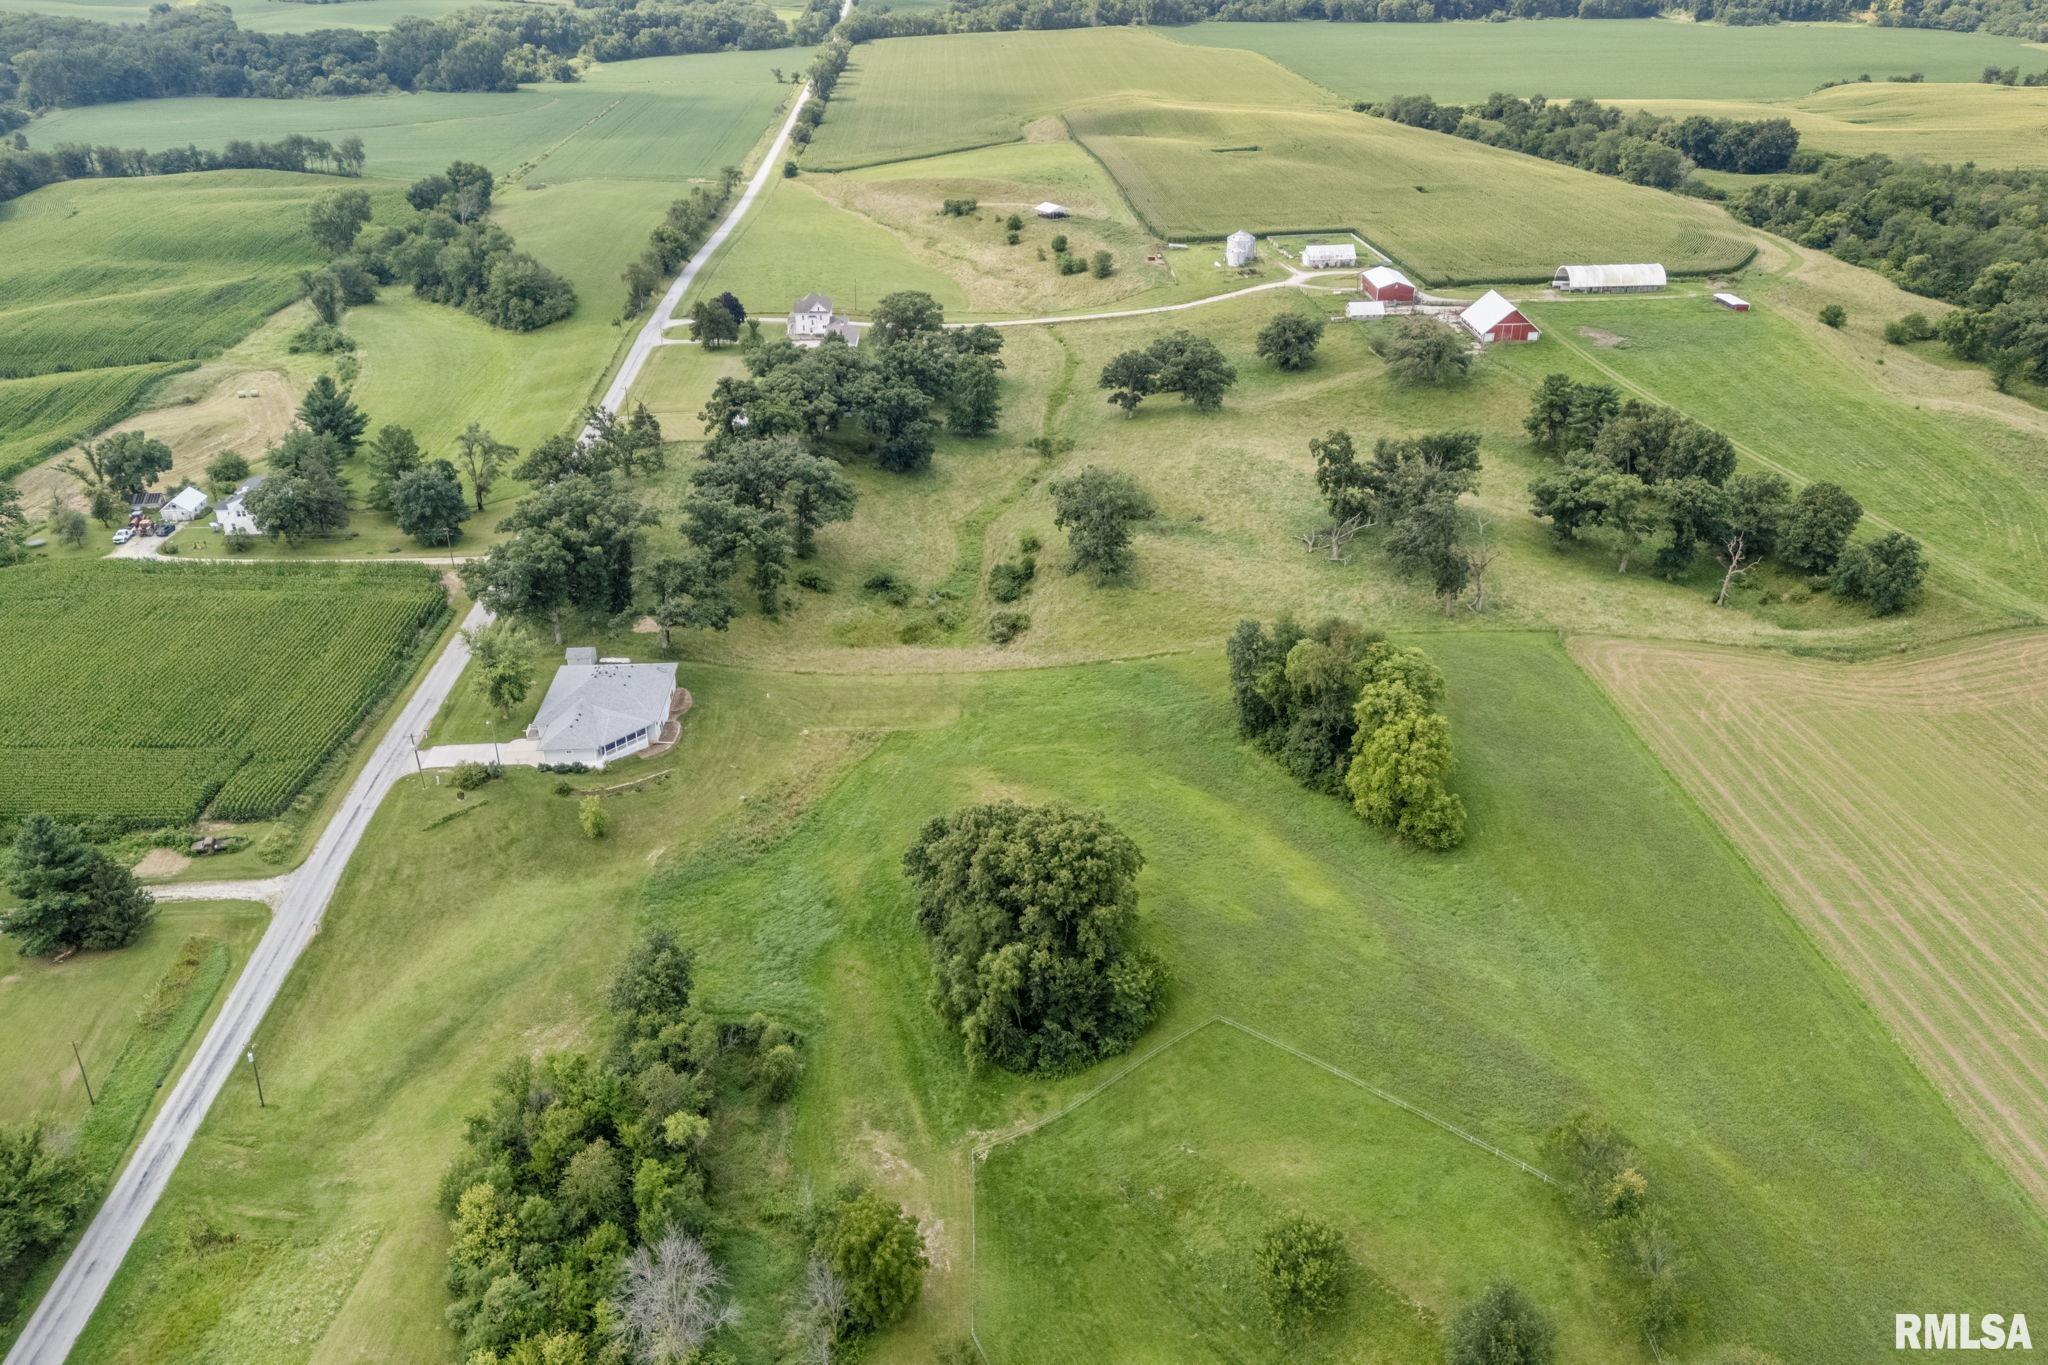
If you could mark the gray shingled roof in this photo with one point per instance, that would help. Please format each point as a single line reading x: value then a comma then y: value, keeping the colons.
x: 590, y: 705
x: 812, y: 303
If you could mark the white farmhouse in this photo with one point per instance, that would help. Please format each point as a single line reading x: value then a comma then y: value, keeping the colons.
x: 189, y: 504
x: 1324, y: 255
x: 1239, y: 248
x: 597, y: 710
x: 233, y: 515
x: 811, y: 320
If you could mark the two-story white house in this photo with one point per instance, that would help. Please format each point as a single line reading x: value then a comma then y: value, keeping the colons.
x: 811, y: 320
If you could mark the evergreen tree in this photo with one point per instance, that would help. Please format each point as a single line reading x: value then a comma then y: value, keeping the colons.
x: 328, y: 411
x: 71, y: 894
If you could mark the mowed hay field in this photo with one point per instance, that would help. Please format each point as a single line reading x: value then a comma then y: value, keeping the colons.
x: 110, y: 284
x: 1452, y: 210
x: 1897, y: 809
x: 1992, y: 125
x: 143, y: 693
x: 660, y: 118
x: 1608, y: 59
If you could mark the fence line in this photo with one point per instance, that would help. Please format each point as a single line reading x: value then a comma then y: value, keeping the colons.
x: 981, y: 1150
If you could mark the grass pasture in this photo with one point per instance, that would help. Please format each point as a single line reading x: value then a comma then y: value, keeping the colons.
x: 1154, y: 1187
x: 1451, y: 210
x: 143, y: 693
x: 1992, y: 125
x: 1499, y: 987
x: 1895, y: 806
x: 1607, y: 59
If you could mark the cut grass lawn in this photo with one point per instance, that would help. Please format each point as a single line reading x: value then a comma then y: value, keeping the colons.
x: 1992, y: 125
x: 1608, y: 59
x: 1895, y: 806
x: 1449, y: 209
x: 1532, y: 972
x: 132, y: 691
x: 133, y: 1015
x: 659, y: 118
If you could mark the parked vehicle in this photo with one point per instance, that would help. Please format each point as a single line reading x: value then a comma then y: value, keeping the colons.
x: 163, y: 528
x: 123, y: 536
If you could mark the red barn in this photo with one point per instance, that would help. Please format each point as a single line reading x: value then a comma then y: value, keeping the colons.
x: 1387, y: 284
x: 1493, y: 318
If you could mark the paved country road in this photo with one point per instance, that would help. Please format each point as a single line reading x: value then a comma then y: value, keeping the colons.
x: 298, y: 901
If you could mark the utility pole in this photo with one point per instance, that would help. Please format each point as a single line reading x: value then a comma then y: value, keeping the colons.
x: 416, y: 756
x: 90, y: 1098
x: 259, y: 1079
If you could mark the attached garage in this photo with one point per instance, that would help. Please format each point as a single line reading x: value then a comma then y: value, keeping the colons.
x: 1493, y: 319
x: 1387, y: 285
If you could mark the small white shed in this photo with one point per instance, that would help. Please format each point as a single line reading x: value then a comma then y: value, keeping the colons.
x: 1239, y: 248
x: 1051, y: 210
x: 1325, y: 255
x: 189, y: 505
x: 1365, y: 308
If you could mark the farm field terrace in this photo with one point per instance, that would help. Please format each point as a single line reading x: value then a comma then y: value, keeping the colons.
x: 112, y: 283
x: 1992, y: 125
x: 1894, y: 806
x: 1608, y: 59
x: 659, y: 118
x: 144, y: 693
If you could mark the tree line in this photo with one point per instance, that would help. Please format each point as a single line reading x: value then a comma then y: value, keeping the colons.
x: 1637, y: 146
x: 1640, y: 471
x: 583, y: 1219
x: 48, y: 62
x: 1973, y: 237
x: 23, y: 169
x: 972, y: 16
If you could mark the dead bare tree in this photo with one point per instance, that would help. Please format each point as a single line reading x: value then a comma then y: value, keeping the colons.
x: 1734, y: 561
x: 1479, y: 556
x: 814, y: 1322
x: 671, y: 1302
x: 1334, y: 538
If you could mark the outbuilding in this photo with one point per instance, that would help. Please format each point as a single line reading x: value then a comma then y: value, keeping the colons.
x: 1493, y: 319
x: 1386, y: 284
x: 597, y: 710
x: 1369, y: 308
x: 1734, y: 303
x: 1326, y: 255
x: 189, y: 504
x: 1239, y: 248
x: 1608, y: 279
x: 1051, y: 210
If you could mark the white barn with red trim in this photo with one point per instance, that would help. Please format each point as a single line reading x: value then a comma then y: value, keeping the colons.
x: 1387, y: 285
x: 1492, y: 318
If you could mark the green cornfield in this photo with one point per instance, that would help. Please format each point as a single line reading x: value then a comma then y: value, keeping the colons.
x: 147, y: 693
